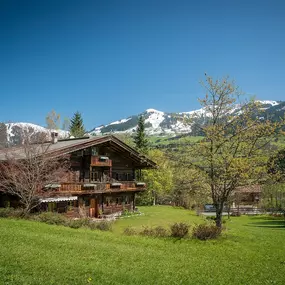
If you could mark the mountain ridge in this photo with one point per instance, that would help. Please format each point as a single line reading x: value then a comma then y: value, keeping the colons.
x: 156, y: 123
x: 165, y: 123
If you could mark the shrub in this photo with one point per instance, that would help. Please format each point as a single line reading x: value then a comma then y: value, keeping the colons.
x: 11, y: 212
x: 160, y: 231
x: 102, y: 226
x: 79, y: 223
x: 52, y: 218
x: 147, y: 232
x: 179, y: 230
x: 154, y: 232
x: 206, y: 231
x: 130, y: 231
x: 5, y: 212
x: 19, y: 213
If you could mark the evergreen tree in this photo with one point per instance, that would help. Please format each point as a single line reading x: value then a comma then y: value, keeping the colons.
x: 140, y: 138
x: 76, y: 126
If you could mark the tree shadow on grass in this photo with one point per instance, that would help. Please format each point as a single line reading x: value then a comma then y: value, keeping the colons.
x: 268, y: 222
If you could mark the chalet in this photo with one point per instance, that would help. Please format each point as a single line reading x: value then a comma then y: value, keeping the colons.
x: 248, y: 195
x: 104, y: 176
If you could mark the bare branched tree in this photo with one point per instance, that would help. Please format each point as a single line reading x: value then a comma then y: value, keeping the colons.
x: 53, y: 120
x: 25, y: 172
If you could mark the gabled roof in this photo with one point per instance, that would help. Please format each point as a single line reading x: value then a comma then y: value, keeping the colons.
x: 256, y: 188
x: 68, y: 146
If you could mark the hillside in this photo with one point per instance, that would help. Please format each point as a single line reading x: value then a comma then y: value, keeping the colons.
x: 163, y: 123
x: 15, y: 132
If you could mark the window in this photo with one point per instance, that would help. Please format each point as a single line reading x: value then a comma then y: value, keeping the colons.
x: 94, y: 151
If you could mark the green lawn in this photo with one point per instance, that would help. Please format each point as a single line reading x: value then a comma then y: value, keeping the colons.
x: 251, y: 251
x: 156, y: 216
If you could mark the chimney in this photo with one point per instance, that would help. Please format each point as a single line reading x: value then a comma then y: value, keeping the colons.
x: 54, y: 137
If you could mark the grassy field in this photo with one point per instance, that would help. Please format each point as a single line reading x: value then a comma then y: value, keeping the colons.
x: 170, y: 140
x: 156, y: 216
x: 166, y: 140
x: 251, y: 251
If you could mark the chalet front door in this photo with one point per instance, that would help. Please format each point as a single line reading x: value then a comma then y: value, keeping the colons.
x: 93, y: 210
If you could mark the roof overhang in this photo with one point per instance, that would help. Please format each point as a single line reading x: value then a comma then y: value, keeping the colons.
x: 141, y: 161
x: 65, y: 147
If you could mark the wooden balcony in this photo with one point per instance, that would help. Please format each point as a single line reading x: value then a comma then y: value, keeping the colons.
x: 100, y: 161
x: 101, y: 187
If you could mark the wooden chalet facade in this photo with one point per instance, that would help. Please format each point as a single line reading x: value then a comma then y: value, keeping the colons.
x: 103, y: 178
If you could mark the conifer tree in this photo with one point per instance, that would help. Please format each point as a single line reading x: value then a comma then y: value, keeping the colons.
x: 140, y: 138
x: 76, y: 125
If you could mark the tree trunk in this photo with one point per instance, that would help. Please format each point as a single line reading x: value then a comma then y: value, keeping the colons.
x: 219, y: 212
x: 26, y: 210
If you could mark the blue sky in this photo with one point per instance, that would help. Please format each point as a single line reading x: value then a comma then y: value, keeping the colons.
x: 112, y: 59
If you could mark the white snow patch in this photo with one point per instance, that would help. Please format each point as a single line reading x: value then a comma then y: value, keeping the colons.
x: 120, y: 122
x: 268, y: 102
x: 181, y: 127
x: 200, y: 112
x: 154, y: 111
x: 155, y: 118
x: 32, y: 128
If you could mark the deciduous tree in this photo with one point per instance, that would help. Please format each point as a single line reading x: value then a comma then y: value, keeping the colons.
x: 159, y: 181
x: 233, y: 151
x: 276, y: 166
x: 189, y: 187
x: 126, y: 138
x: 273, y: 194
x: 53, y: 120
x: 66, y: 124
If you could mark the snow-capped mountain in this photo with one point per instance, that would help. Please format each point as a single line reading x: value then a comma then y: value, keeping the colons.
x: 162, y: 123
x: 17, y: 131
x: 156, y: 123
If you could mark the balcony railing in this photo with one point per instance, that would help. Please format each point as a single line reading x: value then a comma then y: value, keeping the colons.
x: 101, y: 186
